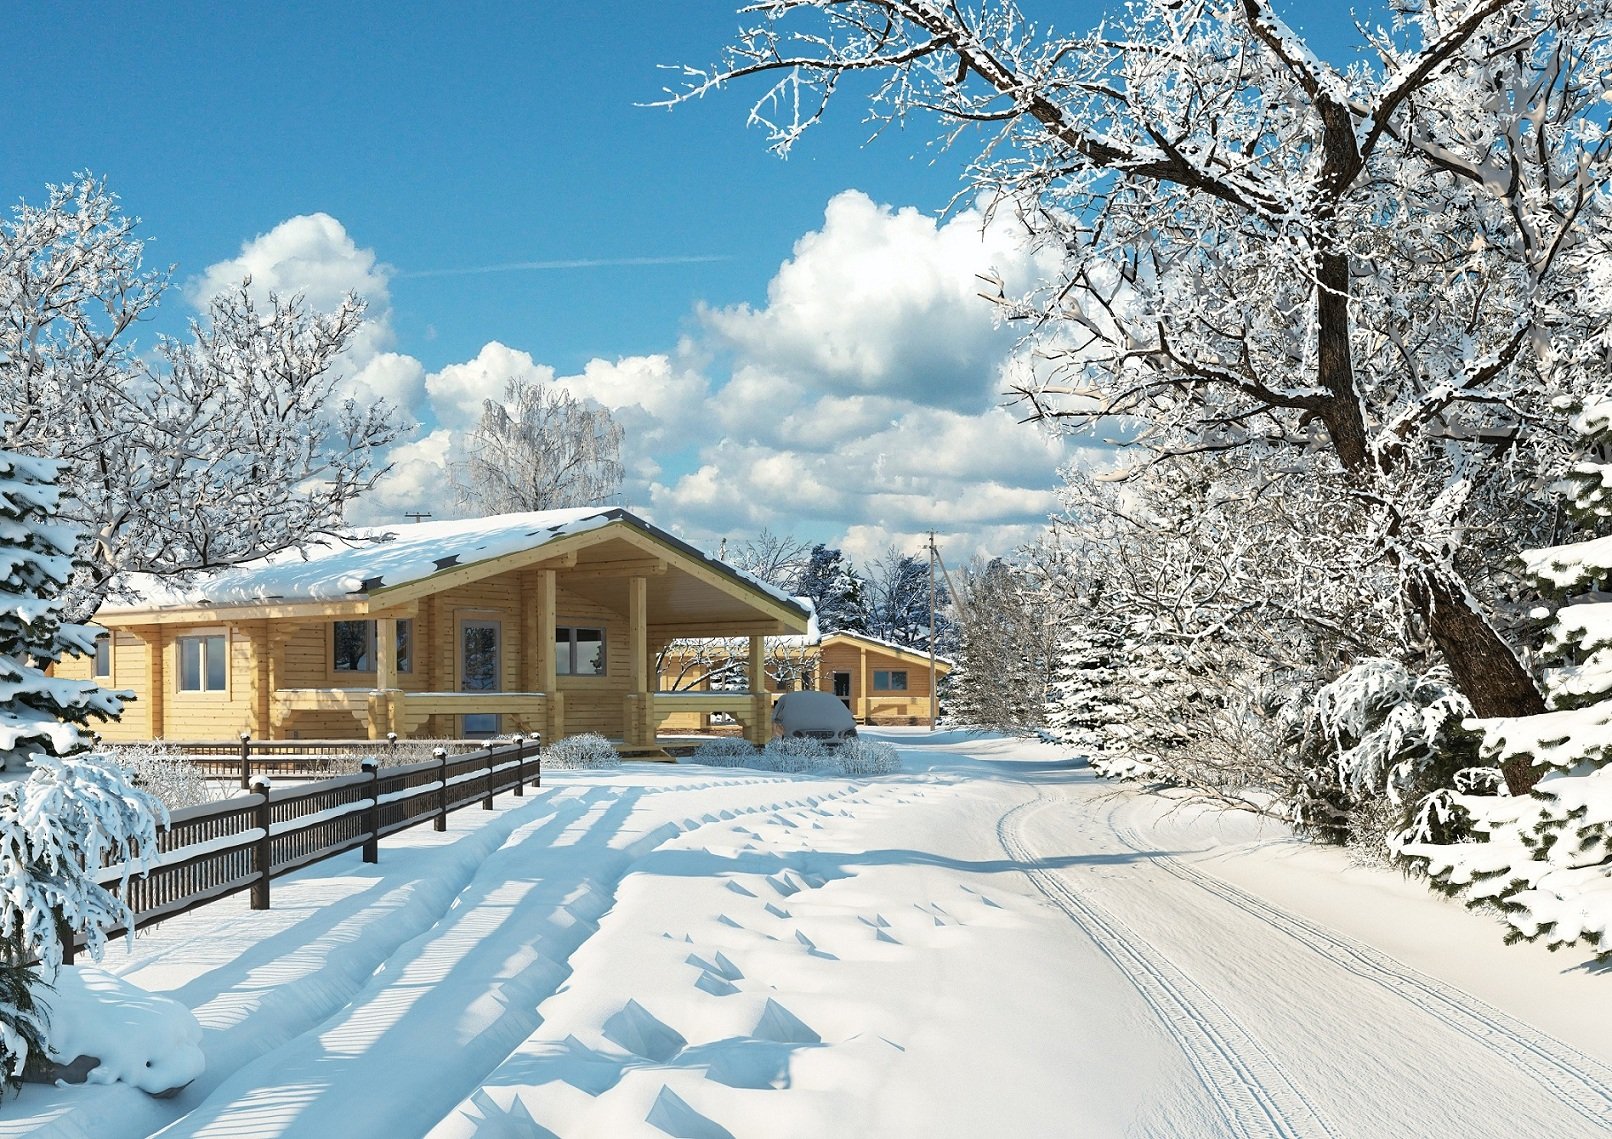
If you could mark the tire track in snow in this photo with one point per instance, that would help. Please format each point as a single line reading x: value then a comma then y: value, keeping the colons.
x: 1252, y: 1090
x: 1578, y: 1081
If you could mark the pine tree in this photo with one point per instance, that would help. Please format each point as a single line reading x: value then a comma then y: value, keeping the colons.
x: 1084, y: 710
x: 835, y: 590
x: 1545, y: 858
x: 71, y: 816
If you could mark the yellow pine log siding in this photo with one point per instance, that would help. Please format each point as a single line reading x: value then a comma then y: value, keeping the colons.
x: 861, y: 659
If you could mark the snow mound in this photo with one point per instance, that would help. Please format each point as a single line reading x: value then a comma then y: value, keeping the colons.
x: 149, y: 1041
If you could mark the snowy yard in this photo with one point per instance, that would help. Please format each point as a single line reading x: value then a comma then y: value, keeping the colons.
x: 987, y: 943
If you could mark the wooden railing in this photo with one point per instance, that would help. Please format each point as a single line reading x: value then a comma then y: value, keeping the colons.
x: 302, y: 759
x: 218, y: 849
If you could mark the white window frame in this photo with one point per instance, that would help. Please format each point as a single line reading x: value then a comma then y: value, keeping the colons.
x: 565, y: 650
x: 204, y: 636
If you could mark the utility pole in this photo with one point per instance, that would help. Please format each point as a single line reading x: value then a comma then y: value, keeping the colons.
x: 934, y: 696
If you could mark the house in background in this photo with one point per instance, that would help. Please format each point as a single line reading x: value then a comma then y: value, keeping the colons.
x: 543, y: 623
x: 880, y: 681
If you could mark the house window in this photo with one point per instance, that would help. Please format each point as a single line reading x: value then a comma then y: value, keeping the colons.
x: 353, y: 646
x: 889, y: 680
x: 103, y: 655
x: 579, y: 652
x: 202, y: 663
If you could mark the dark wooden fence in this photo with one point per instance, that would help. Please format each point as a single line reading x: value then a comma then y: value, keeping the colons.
x: 301, y: 759
x: 243, y: 843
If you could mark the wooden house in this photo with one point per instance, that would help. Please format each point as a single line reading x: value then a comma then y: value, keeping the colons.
x: 540, y: 623
x: 880, y: 681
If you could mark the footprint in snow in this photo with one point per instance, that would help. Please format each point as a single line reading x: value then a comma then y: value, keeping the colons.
x: 640, y: 1032
x: 737, y: 888
x: 777, y: 911
x: 676, y: 1118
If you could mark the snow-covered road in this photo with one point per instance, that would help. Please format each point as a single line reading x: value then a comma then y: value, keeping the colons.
x: 987, y: 943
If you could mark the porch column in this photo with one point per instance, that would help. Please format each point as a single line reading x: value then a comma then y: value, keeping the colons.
x: 863, y: 700
x: 547, y: 675
x: 639, y: 728
x: 381, y: 717
x: 154, y: 640
x: 761, y: 718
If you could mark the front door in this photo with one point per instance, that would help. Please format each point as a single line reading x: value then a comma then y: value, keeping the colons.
x: 842, y: 687
x: 478, y: 672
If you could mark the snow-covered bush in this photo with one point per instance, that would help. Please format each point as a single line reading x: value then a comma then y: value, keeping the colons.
x: 142, y: 1039
x: 589, y: 749
x: 1376, y: 752
x: 170, y: 777
x: 796, y: 754
x: 862, y: 756
x: 726, y: 751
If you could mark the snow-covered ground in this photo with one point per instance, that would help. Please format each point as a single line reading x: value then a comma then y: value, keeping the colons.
x: 988, y: 943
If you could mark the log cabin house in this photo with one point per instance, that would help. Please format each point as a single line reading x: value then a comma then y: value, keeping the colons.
x: 880, y: 681
x: 545, y: 623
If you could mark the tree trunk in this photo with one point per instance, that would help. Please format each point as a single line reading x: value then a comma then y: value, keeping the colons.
x: 1484, y: 667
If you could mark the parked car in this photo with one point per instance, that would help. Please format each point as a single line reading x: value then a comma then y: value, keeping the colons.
x: 817, y: 715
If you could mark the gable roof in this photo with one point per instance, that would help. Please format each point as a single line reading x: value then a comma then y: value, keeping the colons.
x: 891, y: 647
x: 372, y: 566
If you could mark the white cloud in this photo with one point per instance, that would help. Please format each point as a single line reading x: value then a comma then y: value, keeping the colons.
x: 311, y: 254
x: 458, y: 391
x: 886, y: 301
x: 418, y: 481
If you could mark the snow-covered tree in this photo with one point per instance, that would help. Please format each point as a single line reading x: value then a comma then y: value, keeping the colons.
x: 896, y: 594
x: 777, y: 559
x: 1006, y: 650
x: 1545, y: 859
x: 539, y: 448
x: 835, y: 589
x: 1380, y: 273
x: 210, y: 451
x: 71, y: 816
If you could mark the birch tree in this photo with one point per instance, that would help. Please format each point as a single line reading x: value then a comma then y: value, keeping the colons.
x: 211, y: 450
x: 539, y: 448
x: 1384, y: 271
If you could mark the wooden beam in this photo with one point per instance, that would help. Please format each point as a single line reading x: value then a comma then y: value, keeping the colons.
x: 234, y: 614
x: 385, y: 652
x: 626, y: 567
x: 554, y: 552
x: 682, y: 629
x: 638, y: 634
x: 544, y: 648
x: 753, y: 595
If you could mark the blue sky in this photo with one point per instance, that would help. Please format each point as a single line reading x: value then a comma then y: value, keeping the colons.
x: 439, y: 145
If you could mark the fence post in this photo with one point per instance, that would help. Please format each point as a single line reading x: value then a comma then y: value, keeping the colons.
x: 440, y: 823
x: 263, y: 851
x: 372, y: 817
x: 492, y: 763
x: 520, y: 766
x: 246, y: 761
x: 64, y: 934
x: 391, y: 740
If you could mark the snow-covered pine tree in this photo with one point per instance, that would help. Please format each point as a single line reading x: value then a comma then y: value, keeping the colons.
x: 1083, y: 710
x: 71, y: 815
x: 835, y: 590
x: 1545, y: 859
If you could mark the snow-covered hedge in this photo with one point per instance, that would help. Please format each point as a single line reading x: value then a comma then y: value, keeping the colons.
x: 586, y: 750
x: 862, y: 756
x: 796, y: 754
x: 726, y: 751
x: 165, y: 774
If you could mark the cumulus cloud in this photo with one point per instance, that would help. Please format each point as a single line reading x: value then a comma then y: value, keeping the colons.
x: 886, y: 301
x: 311, y: 254
x: 458, y: 391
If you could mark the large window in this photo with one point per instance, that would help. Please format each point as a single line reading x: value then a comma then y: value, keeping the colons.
x: 354, y: 646
x: 889, y: 680
x: 203, y: 663
x: 103, y: 656
x: 579, y: 652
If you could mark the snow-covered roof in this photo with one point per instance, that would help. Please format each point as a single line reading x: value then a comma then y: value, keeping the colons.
x: 363, y: 561
x: 894, y: 646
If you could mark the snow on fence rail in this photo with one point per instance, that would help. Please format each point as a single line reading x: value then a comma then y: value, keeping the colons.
x: 214, y: 850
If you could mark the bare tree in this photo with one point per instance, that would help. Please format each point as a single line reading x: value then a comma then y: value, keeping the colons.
x: 538, y: 449
x: 777, y: 559
x: 220, y: 449
x: 1386, y: 272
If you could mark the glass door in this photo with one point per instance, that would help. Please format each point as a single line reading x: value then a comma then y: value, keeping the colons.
x: 478, y: 671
